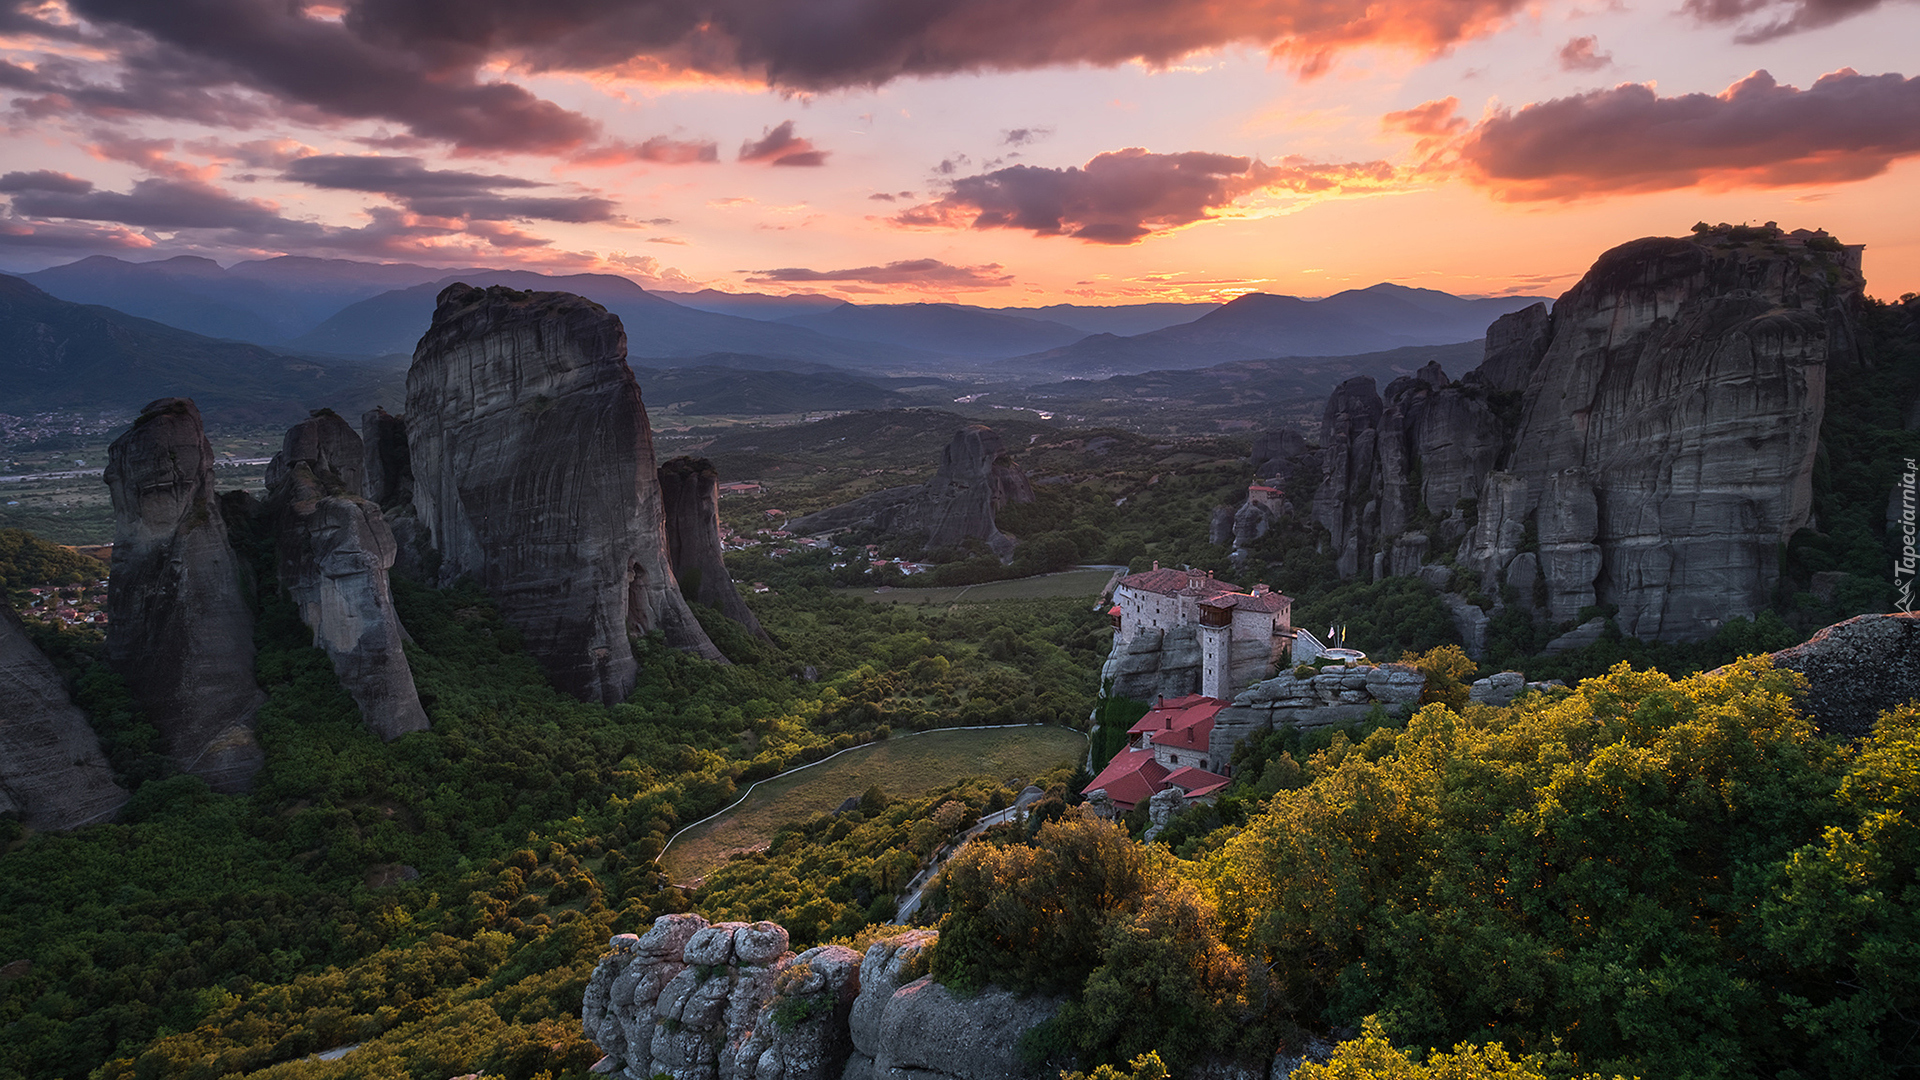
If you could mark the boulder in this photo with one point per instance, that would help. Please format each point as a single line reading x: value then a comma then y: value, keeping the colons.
x: 1497, y: 689
x: 52, y: 772
x: 887, y: 966
x: 929, y: 1033
x: 534, y: 472
x: 689, y: 494
x: 1579, y: 637
x: 1857, y: 670
x: 180, y: 627
x: 334, y: 552
x: 1470, y: 622
x: 672, y: 1002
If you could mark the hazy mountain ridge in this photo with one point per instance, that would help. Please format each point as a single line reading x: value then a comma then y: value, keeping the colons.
x: 1261, y: 325
x: 60, y: 355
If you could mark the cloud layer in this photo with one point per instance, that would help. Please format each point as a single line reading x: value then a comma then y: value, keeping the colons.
x: 919, y: 273
x: 1846, y: 126
x: 1126, y: 195
x: 435, y: 68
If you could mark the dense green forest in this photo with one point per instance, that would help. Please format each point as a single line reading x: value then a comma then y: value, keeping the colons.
x: 203, y: 934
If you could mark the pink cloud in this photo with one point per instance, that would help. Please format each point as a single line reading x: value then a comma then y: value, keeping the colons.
x: 1127, y: 195
x: 1756, y: 133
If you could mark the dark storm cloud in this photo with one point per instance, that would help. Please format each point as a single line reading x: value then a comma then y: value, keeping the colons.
x: 270, y: 46
x: 1756, y: 133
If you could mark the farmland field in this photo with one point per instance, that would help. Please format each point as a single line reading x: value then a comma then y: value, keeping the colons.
x: 904, y: 766
x: 1079, y: 582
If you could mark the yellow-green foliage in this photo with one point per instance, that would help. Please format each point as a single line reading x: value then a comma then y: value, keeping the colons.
x: 1373, y: 1057
x: 1591, y: 865
x: 1147, y: 1066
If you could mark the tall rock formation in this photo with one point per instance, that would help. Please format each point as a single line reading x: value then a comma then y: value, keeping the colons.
x: 533, y: 471
x: 52, y: 772
x: 689, y: 492
x: 180, y: 628
x: 975, y: 478
x: 1648, y: 444
x: 334, y: 552
x: 387, y: 482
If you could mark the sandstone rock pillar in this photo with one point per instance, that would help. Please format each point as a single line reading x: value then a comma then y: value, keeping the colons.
x: 534, y: 472
x: 180, y: 627
x: 52, y: 772
x: 334, y: 552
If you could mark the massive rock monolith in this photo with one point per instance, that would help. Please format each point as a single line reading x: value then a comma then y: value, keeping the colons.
x: 1648, y: 444
x: 180, y: 627
x: 689, y: 492
x: 52, y: 772
x: 976, y: 477
x: 533, y: 471
x: 334, y: 552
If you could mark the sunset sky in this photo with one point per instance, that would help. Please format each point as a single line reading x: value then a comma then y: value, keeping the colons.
x: 996, y: 152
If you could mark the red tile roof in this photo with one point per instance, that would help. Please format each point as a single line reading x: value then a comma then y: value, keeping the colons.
x: 1131, y: 778
x: 1169, y: 582
x: 1197, y: 783
x: 1194, y: 736
x: 1174, y: 714
x: 1266, y: 603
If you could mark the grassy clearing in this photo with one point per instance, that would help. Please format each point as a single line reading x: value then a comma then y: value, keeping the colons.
x: 1044, y: 587
x: 905, y: 766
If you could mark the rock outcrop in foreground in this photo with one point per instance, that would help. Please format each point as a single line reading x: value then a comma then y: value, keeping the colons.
x: 976, y: 477
x: 52, y: 772
x: 689, y: 492
x: 728, y: 1001
x: 334, y: 552
x: 1857, y: 670
x: 533, y: 471
x: 1648, y: 444
x: 181, y: 628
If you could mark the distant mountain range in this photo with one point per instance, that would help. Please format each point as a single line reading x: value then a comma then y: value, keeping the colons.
x: 1260, y: 325
x: 60, y: 355
x: 348, y: 308
x: 392, y: 322
x: 57, y: 355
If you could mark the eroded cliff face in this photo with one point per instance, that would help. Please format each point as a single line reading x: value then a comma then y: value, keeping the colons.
x: 976, y: 477
x: 533, y: 471
x: 1648, y: 444
x: 180, y: 627
x: 52, y: 772
x: 728, y: 1001
x: 334, y: 553
x: 689, y: 492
